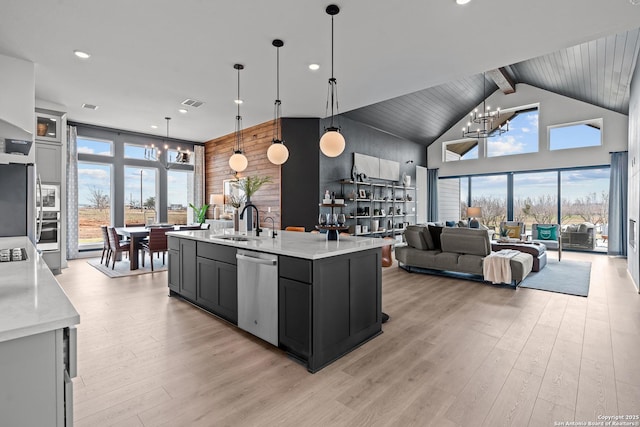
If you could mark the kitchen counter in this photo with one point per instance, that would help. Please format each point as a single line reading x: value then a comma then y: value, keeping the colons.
x: 312, y: 246
x: 31, y: 300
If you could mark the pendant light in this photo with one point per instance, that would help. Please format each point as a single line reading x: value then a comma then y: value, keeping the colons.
x: 277, y: 152
x: 332, y: 142
x: 238, y: 161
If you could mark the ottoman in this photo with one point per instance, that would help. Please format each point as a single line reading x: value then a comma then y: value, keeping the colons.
x: 537, y: 250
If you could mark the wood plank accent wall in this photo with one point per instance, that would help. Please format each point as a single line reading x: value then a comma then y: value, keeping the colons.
x: 257, y: 140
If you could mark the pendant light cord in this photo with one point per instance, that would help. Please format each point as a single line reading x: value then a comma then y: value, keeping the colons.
x: 276, y: 108
x: 332, y: 92
x: 238, y: 118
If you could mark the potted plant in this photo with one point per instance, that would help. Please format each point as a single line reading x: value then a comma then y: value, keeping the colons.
x: 251, y: 184
x: 235, y: 202
x: 199, y: 214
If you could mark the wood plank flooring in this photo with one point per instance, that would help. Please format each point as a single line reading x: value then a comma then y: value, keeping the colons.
x: 455, y: 353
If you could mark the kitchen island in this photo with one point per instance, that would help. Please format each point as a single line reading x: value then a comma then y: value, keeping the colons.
x: 328, y: 292
x: 37, y: 341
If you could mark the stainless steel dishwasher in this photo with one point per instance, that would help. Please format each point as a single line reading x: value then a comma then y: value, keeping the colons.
x: 258, y: 294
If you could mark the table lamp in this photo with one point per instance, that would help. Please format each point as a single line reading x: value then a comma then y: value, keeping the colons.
x: 474, y: 212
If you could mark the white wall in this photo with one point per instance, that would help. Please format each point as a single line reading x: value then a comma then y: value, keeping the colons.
x: 634, y: 175
x: 17, y: 86
x: 553, y: 110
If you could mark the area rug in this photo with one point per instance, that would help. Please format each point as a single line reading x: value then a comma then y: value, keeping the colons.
x: 122, y: 267
x: 565, y: 277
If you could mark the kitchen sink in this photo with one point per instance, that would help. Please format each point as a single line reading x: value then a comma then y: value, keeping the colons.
x: 236, y: 238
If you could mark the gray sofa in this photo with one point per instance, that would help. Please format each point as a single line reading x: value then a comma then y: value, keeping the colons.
x: 460, y: 250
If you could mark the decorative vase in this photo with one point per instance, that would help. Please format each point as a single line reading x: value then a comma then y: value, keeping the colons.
x: 407, y: 180
x: 42, y: 129
x: 249, y: 214
x: 236, y: 220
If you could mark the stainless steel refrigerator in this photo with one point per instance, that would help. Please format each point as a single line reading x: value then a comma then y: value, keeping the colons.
x: 18, y: 201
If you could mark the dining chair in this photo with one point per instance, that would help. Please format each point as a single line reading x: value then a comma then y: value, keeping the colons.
x: 157, y: 243
x: 116, y: 246
x: 292, y: 228
x: 106, y: 247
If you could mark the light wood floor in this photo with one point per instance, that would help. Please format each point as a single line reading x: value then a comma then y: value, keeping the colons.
x: 455, y: 353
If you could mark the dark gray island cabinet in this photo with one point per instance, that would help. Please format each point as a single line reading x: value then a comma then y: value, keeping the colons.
x: 327, y: 306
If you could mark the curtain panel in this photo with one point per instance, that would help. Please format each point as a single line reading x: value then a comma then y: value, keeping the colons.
x: 72, y: 193
x: 618, y: 196
x: 432, y: 199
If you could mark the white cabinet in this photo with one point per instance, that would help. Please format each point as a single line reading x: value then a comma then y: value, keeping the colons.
x: 49, y: 162
x: 36, y: 372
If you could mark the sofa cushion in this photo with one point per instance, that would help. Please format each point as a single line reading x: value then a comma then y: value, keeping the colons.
x: 413, y: 237
x: 547, y: 232
x: 426, y: 235
x: 436, y: 231
x: 471, y: 241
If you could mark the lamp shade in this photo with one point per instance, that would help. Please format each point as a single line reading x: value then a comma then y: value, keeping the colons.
x: 238, y: 162
x: 277, y: 153
x: 474, y: 212
x: 216, y: 199
x: 332, y: 143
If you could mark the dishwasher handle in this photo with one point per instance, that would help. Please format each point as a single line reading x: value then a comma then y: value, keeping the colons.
x: 256, y: 260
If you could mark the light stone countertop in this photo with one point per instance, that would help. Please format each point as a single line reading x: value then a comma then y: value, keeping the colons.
x: 291, y: 243
x: 31, y: 299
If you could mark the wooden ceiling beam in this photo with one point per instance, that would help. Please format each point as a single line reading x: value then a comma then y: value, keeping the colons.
x: 504, y: 81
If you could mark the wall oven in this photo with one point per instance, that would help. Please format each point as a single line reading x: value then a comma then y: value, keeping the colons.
x: 48, y: 217
x: 48, y: 197
x: 49, y: 230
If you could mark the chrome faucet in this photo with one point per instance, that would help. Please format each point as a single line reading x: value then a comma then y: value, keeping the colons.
x: 273, y: 227
x: 258, y: 230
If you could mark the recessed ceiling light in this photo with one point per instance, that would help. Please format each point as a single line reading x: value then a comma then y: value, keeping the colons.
x: 81, y: 54
x: 462, y: 1
x: 314, y: 67
x: 183, y: 110
x: 238, y: 101
x: 154, y: 127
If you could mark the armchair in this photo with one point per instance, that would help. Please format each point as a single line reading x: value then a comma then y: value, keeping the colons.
x: 579, y: 236
x: 549, y: 235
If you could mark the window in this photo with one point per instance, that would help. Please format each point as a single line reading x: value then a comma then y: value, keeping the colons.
x: 521, y: 138
x: 586, y: 134
x: 490, y: 193
x: 179, y: 195
x: 535, y: 198
x: 94, y: 202
x: 142, y: 152
x: 94, y: 146
x: 140, y: 195
x: 461, y: 150
x: 585, y: 196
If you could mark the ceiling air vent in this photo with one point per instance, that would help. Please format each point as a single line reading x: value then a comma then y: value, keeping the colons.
x: 192, y: 103
x: 90, y: 106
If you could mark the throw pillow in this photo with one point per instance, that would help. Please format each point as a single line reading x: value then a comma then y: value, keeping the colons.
x: 513, y: 231
x: 426, y: 236
x: 413, y: 237
x: 547, y: 232
x: 436, y: 231
x: 450, y: 223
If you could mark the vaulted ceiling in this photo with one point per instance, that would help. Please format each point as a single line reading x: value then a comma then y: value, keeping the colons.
x: 598, y: 72
x: 424, y: 57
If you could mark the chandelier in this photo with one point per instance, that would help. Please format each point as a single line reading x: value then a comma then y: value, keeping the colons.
x: 483, y: 124
x: 153, y: 153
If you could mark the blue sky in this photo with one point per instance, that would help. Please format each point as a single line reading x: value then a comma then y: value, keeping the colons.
x: 521, y: 138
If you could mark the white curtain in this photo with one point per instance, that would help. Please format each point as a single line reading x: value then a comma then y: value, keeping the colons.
x: 72, y: 193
